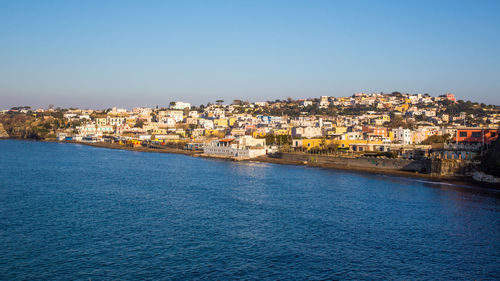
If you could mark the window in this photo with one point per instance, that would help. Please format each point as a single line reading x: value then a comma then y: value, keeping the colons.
x: 463, y: 134
x: 476, y: 134
x: 493, y: 134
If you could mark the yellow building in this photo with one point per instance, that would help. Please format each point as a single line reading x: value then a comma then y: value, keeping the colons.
x: 385, y: 118
x: 282, y: 132
x: 341, y: 144
x: 220, y: 122
x: 232, y: 120
x: 402, y: 108
x: 258, y: 134
x: 134, y: 143
x: 339, y: 130
x: 313, y: 143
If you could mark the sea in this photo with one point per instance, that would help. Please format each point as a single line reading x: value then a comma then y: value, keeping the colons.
x: 76, y: 212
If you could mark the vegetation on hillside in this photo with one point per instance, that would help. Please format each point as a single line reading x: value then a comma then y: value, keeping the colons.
x: 437, y: 139
x: 32, y: 125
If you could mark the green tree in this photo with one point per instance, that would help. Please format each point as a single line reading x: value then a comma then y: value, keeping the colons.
x: 436, y: 139
x: 270, y: 139
x: 139, y: 124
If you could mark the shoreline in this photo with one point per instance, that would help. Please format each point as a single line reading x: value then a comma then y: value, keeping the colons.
x: 458, y: 180
x: 138, y: 149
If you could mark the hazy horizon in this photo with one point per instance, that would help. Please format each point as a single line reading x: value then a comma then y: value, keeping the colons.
x: 99, y: 54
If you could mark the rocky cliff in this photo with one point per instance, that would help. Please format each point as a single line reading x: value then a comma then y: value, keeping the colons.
x: 3, y: 133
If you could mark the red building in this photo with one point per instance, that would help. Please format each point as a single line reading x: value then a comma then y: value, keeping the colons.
x: 451, y: 97
x: 477, y: 135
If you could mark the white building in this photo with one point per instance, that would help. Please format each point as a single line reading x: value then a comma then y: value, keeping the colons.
x: 261, y: 103
x: 123, y: 129
x: 194, y: 114
x: 306, y: 103
x: 307, y: 132
x: 86, y: 130
x: 243, y: 147
x: 206, y: 123
x: 118, y: 110
x: 402, y: 136
x: 430, y: 113
x: 324, y: 102
x: 115, y: 121
x: 178, y: 115
x: 179, y: 105
x: 105, y: 129
x: 166, y: 120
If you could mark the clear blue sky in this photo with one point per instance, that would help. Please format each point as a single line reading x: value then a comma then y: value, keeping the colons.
x: 127, y: 53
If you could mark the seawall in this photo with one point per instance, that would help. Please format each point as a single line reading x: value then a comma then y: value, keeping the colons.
x: 441, y: 170
x: 360, y: 162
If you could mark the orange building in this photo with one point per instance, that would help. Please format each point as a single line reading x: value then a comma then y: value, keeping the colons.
x: 379, y: 131
x: 476, y: 135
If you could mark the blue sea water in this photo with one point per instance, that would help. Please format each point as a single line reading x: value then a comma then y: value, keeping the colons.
x: 74, y: 212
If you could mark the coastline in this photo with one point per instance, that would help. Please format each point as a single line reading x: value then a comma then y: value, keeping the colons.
x: 458, y: 180
x: 138, y: 149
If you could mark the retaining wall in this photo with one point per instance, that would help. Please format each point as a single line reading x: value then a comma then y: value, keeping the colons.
x: 369, y: 163
x: 427, y: 166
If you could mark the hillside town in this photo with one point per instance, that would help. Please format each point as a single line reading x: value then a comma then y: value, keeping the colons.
x: 393, y: 125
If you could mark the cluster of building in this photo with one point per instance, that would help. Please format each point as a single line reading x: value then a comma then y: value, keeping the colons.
x: 404, y: 124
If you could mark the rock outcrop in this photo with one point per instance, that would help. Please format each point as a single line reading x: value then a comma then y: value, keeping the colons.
x: 482, y: 177
x: 3, y: 133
